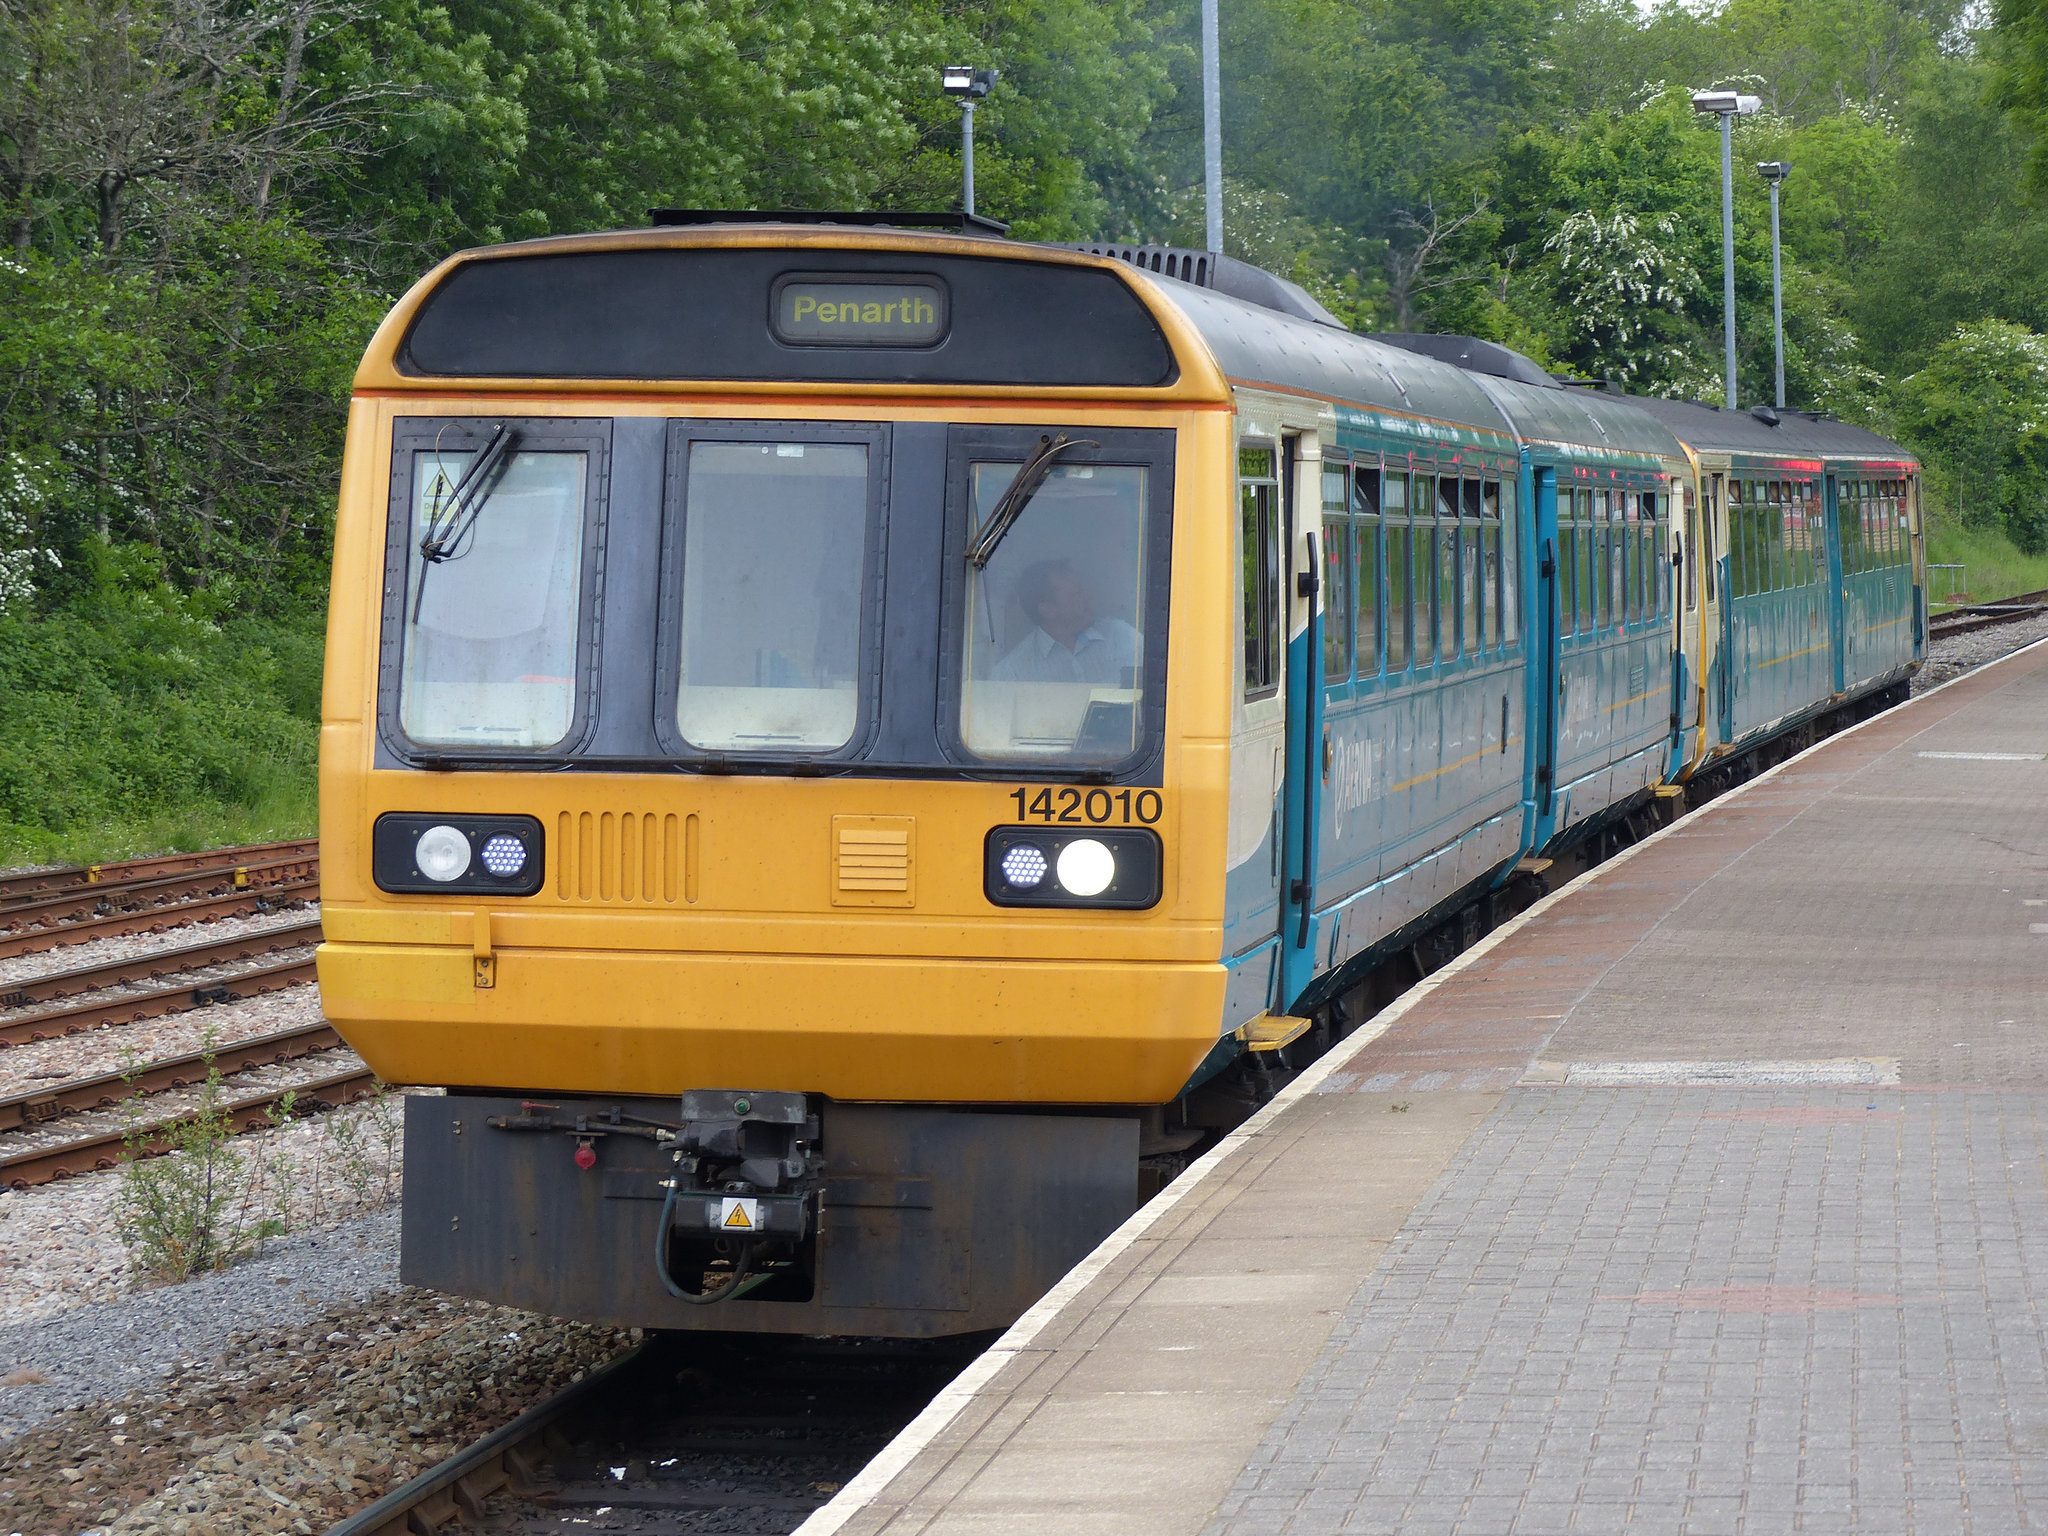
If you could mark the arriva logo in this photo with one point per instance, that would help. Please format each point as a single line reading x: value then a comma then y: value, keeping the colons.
x: 1354, y: 766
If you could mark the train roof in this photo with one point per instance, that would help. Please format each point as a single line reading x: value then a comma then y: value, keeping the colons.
x: 1798, y: 434
x: 1540, y: 409
x: 1256, y: 346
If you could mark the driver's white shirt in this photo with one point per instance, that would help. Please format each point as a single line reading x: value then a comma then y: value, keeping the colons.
x: 1103, y: 654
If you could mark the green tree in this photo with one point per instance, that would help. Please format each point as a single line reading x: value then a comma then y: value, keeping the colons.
x: 1978, y: 412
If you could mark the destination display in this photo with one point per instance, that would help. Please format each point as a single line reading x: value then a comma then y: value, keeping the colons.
x: 873, y: 313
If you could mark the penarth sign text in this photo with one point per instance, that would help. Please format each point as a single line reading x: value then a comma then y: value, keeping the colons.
x: 875, y: 313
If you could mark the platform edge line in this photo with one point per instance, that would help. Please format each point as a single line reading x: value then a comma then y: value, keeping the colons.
x: 943, y: 1409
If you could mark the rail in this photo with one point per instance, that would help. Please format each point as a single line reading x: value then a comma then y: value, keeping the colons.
x: 458, y: 1486
x: 1976, y: 616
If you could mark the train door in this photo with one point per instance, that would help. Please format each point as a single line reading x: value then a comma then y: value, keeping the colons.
x: 1301, y: 493
x: 1544, y: 674
x: 1720, y: 603
x: 1838, y: 616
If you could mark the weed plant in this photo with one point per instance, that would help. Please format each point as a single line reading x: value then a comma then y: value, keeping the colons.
x: 192, y: 1201
x: 185, y: 1206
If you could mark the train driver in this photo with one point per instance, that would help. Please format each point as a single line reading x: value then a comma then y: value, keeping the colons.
x: 1070, y: 641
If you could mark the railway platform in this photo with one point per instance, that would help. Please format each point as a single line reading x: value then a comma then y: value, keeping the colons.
x: 1711, y: 1195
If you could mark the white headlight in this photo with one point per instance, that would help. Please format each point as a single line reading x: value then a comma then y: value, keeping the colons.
x: 442, y: 853
x: 1086, y: 867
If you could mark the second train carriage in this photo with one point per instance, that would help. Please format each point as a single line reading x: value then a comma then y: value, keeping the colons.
x: 830, y: 734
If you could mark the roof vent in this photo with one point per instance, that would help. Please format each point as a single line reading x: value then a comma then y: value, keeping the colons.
x: 1766, y: 414
x: 1473, y: 355
x: 1226, y: 274
x: 869, y: 218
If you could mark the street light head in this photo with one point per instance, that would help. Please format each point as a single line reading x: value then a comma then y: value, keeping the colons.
x: 1774, y: 170
x: 1726, y: 103
x: 965, y: 81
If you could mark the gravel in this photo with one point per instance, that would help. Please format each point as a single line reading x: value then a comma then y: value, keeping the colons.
x: 92, y: 1052
x: 89, y: 1354
x: 102, y: 951
x: 1952, y: 657
x: 293, y: 1425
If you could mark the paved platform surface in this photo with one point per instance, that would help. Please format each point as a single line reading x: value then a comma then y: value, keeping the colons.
x: 1712, y: 1197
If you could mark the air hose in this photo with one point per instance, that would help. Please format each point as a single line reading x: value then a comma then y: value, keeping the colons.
x: 695, y: 1299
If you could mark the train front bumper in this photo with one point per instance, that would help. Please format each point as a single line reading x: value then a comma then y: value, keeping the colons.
x: 895, y: 1029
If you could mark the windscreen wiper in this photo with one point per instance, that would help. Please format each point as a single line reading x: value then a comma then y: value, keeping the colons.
x: 451, y: 524
x: 1029, y: 477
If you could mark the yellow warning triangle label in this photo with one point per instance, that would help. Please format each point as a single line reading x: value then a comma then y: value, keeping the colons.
x: 739, y: 1217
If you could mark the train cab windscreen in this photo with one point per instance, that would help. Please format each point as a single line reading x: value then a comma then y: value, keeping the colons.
x: 774, y: 549
x: 1055, y: 619
x: 489, y: 655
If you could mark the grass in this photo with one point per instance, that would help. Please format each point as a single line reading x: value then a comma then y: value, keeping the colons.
x: 1993, y: 566
x: 135, y: 723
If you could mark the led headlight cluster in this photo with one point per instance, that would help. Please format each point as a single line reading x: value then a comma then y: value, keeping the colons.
x: 1085, y: 867
x: 418, y: 854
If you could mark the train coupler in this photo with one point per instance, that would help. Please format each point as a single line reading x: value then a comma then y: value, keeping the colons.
x: 746, y: 1165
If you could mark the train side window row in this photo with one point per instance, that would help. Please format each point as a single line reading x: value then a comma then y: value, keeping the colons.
x: 1609, y: 568
x: 1777, y: 532
x: 1875, y: 535
x: 1777, y: 537
x: 1418, y: 569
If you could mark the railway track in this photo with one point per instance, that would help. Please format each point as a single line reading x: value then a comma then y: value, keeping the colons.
x: 46, y: 908
x: 753, y: 1433
x: 1976, y: 616
x: 132, y: 1007
x: 40, y: 882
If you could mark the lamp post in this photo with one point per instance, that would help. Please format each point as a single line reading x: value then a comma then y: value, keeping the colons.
x: 1775, y: 171
x: 969, y: 85
x: 1212, y: 130
x: 1727, y: 106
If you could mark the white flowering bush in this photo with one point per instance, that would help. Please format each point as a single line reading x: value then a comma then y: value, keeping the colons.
x: 23, y: 496
x: 1625, y: 289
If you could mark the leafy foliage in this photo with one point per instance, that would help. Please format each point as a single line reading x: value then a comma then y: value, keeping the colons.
x: 207, y: 204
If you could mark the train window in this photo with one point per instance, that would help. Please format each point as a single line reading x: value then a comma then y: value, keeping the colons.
x: 1337, y: 535
x: 1489, y: 544
x: 492, y: 617
x: 1743, y: 536
x: 1589, y: 556
x: 1400, y: 603
x: 1510, y: 565
x: 1470, y: 572
x: 1632, y: 542
x: 1658, y: 598
x: 1055, y: 622
x: 774, y: 546
x: 1259, y: 508
x: 1567, y: 566
x: 1365, y: 578
x: 1774, y: 533
x: 1447, y: 568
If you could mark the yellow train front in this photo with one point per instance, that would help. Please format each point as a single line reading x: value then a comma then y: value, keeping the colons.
x: 748, y: 784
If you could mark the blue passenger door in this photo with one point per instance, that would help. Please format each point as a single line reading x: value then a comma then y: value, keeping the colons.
x: 1544, y: 675
x: 1302, y: 766
x: 1838, y: 625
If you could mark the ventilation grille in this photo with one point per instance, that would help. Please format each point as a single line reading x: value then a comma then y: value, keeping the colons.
x: 625, y: 857
x: 1172, y: 261
x: 871, y: 861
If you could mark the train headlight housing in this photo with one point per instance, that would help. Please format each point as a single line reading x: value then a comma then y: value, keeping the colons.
x: 1104, y: 867
x: 442, y: 854
x: 435, y: 855
x: 1086, y: 867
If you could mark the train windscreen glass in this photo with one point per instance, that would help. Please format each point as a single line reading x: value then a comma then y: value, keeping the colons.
x: 774, y: 538
x: 1055, y: 620
x: 494, y: 599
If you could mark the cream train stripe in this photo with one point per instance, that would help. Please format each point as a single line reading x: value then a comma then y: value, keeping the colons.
x: 940, y: 1412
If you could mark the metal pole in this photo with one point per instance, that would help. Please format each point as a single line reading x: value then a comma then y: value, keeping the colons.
x: 1212, y: 128
x: 967, y: 147
x: 1777, y: 295
x: 1728, y: 247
